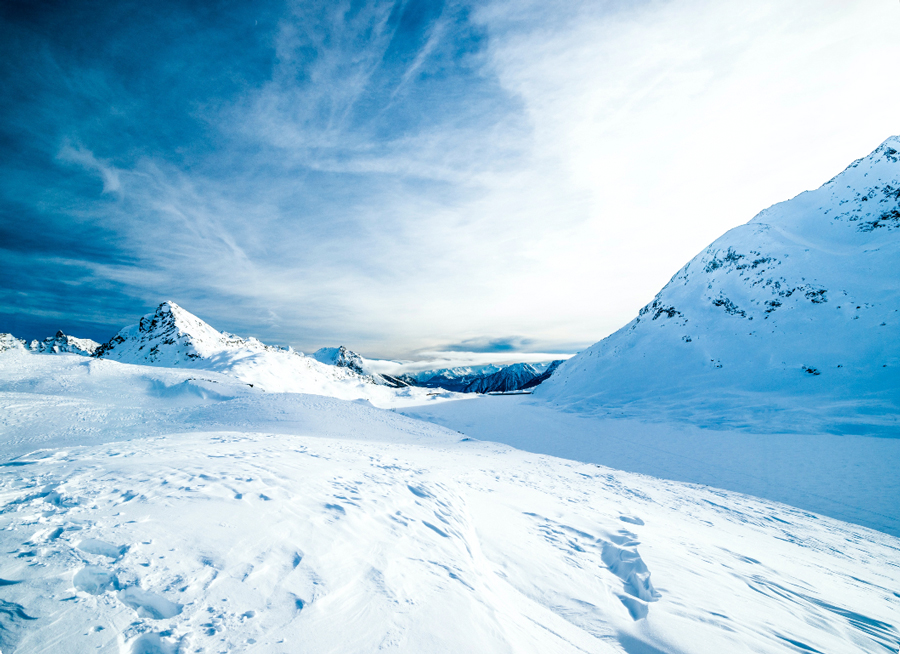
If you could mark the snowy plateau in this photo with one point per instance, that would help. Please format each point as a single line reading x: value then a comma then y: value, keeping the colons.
x: 718, y: 476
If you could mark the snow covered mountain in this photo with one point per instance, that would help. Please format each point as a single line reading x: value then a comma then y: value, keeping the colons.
x: 10, y: 342
x: 172, y: 337
x: 64, y: 344
x: 792, y: 319
x: 344, y: 358
x: 486, y: 379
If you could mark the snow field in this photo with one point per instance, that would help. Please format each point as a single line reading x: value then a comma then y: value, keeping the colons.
x: 851, y: 478
x: 225, y: 541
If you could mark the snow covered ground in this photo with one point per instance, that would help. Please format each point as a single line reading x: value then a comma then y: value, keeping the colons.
x: 849, y: 477
x: 149, y: 510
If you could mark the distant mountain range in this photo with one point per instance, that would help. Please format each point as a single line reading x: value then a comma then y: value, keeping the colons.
x: 486, y: 379
x: 175, y: 338
x: 794, y: 315
x: 58, y: 344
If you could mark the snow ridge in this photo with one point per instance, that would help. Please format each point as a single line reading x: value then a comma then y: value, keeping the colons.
x: 175, y: 338
x: 64, y: 344
x: 344, y: 358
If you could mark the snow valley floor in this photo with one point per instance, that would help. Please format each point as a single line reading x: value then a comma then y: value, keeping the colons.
x: 152, y: 510
x: 849, y: 477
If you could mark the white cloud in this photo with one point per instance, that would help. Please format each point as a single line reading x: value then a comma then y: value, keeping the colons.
x: 629, y: 139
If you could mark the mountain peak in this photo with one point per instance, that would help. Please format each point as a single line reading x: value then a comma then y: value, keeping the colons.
x: 341, y: 357
x: 169, y: 336
x: 62, y: 343
x: 798, y: 307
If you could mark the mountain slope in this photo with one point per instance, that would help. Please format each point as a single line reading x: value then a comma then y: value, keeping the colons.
x: 64, y: 344
x: 172, y: 337
x: 10, y: 342
x: 344, y: 358
x: 486, y: 379
x: 791, y: 318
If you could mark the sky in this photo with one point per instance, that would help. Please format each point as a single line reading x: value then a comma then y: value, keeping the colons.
x: 400, y: 177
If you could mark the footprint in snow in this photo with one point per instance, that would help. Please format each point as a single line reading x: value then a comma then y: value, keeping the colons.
x: 634, y: 520
x: 147, y: 604
x: 94, y: 580
x: 152, y: 643
x: 102, y: 548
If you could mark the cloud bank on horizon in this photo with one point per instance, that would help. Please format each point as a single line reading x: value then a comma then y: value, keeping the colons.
x: 402, y: 176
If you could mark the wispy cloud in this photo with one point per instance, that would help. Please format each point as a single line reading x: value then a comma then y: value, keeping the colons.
x: 398, y: 176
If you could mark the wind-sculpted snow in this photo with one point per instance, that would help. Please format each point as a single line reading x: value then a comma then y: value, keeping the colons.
x: 247, y: 521
x: 794, y: 316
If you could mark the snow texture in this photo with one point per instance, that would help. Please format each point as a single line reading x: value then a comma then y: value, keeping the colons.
x: 161, y: 509
x: 792, y: 321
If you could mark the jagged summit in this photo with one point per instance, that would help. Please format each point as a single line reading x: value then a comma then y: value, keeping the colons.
x: 798, y: 308
x: 62, y: 343
x: 342, y: 357
x: 172, y: 336
x: 10, y: 342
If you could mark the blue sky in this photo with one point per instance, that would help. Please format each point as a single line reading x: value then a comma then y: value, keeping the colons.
x: 408, y: 176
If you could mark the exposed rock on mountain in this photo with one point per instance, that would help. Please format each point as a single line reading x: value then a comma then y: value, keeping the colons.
x: 171, y: 337
x: 799, y: 309
x: 344, y: 358
x: 10, y: 342
x: 62, y: 343
x: 544, y: 376
x: 488, y: 379
x: 175, y: 338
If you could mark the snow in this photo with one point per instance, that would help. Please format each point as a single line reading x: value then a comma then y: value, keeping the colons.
x: 790, y: 323
x: 10, y: 342
x: 186, y: 519
x: 173, y: 337
x: 848, y: 477
x: 62, y: 343
x: 188, y: 490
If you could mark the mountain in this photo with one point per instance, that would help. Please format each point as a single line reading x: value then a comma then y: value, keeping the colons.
x: 174, y: 338
x: 344, y: 358
x: 486, y: 379
x: 62, y: 343
x: 789, y: 321
x: 10, y: 342
x: 508, y: 378
x: 544, y: 376
x: 171, y: 337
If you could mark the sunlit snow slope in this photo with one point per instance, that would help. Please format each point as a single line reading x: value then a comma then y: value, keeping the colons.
x: 173, y: 337
x: 356, y: 530
x: 790, y: 322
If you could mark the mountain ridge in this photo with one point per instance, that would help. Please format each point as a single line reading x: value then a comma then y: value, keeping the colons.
x: 801, y: 300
